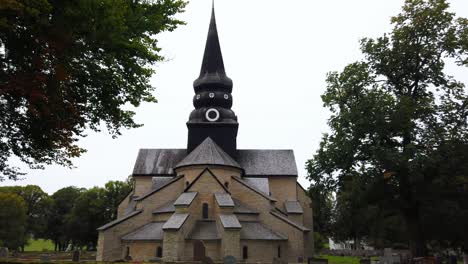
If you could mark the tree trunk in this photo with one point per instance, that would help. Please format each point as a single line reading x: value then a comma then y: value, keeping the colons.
x: 415, y: 232
x: 465, y: 257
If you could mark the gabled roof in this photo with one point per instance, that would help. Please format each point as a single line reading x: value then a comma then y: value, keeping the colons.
x: 258, y: 231
x: 149, y: 232
x: 154, y: 162
x: 254, y: 162
x: 276, y: 162
x: 199, y: 176
x: 208, y: 153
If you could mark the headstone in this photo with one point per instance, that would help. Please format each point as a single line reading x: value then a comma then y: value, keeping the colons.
x: 207, y: 260
x: 365, y: 261
x: 3, y: 252
x: 44, y: 258
x: 76, y: 256
x: 229, y: 260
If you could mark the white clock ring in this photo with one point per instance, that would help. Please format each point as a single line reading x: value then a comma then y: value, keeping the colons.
x: 212, y: 110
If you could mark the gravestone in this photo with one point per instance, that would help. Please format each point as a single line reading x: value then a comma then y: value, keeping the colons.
x: 365, y: 261
x: 44, y: 258
x: 206, y: 260
x: 3, y: 252
x: 76, y: 256
x: 229, y: 260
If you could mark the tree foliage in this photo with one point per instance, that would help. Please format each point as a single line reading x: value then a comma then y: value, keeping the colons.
x: 399, y: 123
x: 38, y: 205
x: 12, y: 220
x: 68, y: 66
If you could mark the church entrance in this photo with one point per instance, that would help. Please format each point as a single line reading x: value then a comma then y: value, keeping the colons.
x: 198, y: 250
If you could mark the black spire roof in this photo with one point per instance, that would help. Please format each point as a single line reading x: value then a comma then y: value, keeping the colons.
x: 212, y: 116
x: 212, y: 70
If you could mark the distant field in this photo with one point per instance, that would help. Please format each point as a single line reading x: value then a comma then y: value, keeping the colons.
x: 340, y: 259
x: 39, y: 245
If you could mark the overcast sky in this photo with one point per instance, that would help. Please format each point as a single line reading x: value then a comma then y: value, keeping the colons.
x: 277, y: 55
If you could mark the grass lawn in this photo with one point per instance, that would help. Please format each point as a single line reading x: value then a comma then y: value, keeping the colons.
x: 341, y: 259
x: 39, y: 245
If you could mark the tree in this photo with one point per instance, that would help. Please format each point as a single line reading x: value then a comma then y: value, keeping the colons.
x: 87, y: 215
x: 322, y: 207
x: 396, y: 118
x: 38, y: 205
x: 12, y: 221
x: 58, y: 229
x: 69, y: 66
x: 114, y: 193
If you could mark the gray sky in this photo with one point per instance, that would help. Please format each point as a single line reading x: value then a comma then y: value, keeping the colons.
x: 276, y: 53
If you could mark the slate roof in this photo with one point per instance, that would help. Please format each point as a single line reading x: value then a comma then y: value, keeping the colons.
x: 185, y: 199
x: 293, y: 207
x: 253, y: 188
x: 255, y: 162
x: 229, y: 221
x: 208, y: 153
x: 294, y: 224
x: 258, y: 231
x: 159, y: 182
x: 149, y: 232
x: 261, y: 184
x: 267, y: 162
x: 205, y: 230
x: 166, y: 208
x: 224, y: 200
x: 157, y: 161
x: 240, y: 208
x: 119, y: 220
x: 176, y: 221
x: 130, y: 207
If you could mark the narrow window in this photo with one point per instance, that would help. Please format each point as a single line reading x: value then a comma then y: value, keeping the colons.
x: 127, y: 252
x: 205, y: 211
x: 226, y: 184
x: 245, y: 252
x: 187, y: 184
x: 279, y: 251
x: 159, y: 252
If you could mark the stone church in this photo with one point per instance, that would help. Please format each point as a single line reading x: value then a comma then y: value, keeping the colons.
x: 212, y: 199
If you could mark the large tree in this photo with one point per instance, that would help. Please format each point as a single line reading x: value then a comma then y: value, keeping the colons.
x: 58, y: 227
x: 12, y: 221
x: 399, y: 120
x: 38, y: 205
x: 68, y: 66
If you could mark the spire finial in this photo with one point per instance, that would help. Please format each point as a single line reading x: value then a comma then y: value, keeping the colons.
x: 212, y: 69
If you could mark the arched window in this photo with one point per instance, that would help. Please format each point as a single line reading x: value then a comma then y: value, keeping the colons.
x: 187, y: 184
x: 205, y: 211
x: 245, y: 252
x: 226, y: 184
x: 127, y: 252
x: 159, y: 252
x: 279, y: 251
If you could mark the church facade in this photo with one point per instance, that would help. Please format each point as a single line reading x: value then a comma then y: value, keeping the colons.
x: 212, y: 199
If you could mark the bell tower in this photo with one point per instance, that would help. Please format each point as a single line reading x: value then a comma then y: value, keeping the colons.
x: 212, y: 116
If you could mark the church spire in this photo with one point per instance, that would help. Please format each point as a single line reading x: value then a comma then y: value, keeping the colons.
x: 212, y: 116
x: 212, y: 73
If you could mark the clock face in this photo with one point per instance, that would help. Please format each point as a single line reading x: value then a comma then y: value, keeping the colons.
x: 212, y: 115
